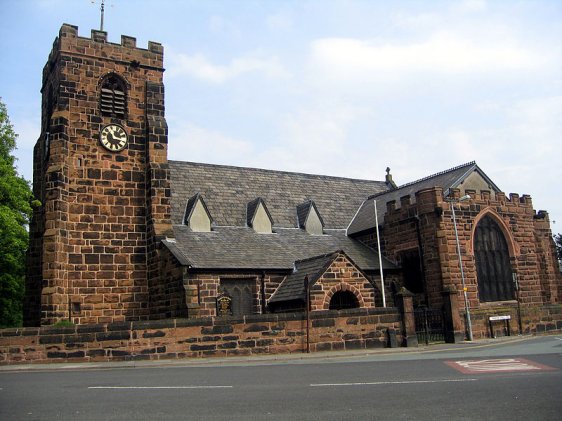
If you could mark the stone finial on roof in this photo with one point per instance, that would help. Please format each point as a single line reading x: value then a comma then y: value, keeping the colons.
x: 388, y: 179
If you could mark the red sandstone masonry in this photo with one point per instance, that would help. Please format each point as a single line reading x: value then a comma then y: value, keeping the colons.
x: 534, y: 320
x: 94, y: 240
x: 527, y: 234
x: 209, y: 337
x: 250, y: 335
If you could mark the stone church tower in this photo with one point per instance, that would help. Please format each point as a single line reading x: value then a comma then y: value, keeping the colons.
x: 102, y: 176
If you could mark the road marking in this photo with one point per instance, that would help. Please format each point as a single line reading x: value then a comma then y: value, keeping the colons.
x: 497, y: 365
x: 159, y: 387
x: 393, y: 382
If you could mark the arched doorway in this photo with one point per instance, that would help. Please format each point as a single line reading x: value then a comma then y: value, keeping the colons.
x: 342, y: 300
x: 493, y: 266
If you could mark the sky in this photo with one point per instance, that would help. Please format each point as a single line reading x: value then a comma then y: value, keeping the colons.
x: 342, y: 88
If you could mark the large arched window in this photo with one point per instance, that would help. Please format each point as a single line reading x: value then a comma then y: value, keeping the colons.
x: 342, y: 300
x: 113, y: 96
x: 493, y: 266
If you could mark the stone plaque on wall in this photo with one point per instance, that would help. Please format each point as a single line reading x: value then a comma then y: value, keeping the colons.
x: 224, y: 305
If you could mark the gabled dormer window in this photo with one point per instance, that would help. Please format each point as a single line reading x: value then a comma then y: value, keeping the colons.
x: 309, y: 218
x: 197, y: 216
x: 113, y: 96
x: 258, y: 217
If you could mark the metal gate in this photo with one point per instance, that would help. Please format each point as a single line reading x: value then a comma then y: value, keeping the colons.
x: 430, y: 325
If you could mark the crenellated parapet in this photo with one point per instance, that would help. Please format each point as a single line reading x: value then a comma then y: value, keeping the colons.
x: 97, y: 46
x: 423, y: 223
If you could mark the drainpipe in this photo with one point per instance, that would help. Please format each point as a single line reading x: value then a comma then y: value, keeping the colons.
x: 422, y: 262
x: 262, y: 287
x: 380, y: 254
x: 516, y: 284
x: 307, y: 309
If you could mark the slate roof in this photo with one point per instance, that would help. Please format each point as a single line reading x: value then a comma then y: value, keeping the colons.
x: 242, y: 248
x: 292, y: 287
x: 227, y: 190
x: 365, y: 217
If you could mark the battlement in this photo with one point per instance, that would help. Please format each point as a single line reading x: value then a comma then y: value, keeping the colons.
x: 71, y: 31
x: 427, y: 200
x: 97, y: 47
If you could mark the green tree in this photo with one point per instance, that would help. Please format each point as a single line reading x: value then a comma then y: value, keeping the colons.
x: 15, y: 211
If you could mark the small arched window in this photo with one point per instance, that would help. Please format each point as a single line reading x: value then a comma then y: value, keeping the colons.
x: 342, y: 300
x: 113, y: 97
x: 493, y: 266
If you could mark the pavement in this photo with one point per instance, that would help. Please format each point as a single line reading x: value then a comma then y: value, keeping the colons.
x: 421, y: 352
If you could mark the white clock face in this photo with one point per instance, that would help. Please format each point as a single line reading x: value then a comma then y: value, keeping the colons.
x: 113, y: 137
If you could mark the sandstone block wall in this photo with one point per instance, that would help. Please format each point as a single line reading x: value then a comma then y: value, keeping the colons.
x: 534, y: 320
x: 90, y: 240
x: 207, y: 337
x: 526, y: 231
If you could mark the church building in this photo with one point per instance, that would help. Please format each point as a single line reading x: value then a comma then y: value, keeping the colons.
x: 124, y: 234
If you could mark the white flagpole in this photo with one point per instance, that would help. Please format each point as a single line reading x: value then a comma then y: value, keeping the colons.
x: 380, y: 255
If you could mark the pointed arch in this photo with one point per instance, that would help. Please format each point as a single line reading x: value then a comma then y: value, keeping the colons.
x: 512, y: 246
x: 493, y: 263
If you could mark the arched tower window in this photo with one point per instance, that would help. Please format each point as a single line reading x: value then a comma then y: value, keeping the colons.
x: 493, y: 266
x: 342, y: 300
x: 113, y: 96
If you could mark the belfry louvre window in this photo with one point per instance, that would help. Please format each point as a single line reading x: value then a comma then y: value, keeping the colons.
x: 113, y: 97
x: 493, y: 266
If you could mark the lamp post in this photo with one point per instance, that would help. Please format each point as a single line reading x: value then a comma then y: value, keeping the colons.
x: 466, y: 305
x: 307, y: 303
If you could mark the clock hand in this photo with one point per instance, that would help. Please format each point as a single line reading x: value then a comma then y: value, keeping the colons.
x: 111, y: 139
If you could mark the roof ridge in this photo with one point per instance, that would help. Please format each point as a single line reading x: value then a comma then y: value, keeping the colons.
x: 276, y: 171
x: 458, y: 167
x: 320, y: 256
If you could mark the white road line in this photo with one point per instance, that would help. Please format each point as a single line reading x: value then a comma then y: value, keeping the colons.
x: 159, y: 387
x: 392, y: 382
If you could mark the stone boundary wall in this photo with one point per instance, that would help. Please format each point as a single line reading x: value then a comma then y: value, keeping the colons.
x: 206, y: 337
x: 534, y: 320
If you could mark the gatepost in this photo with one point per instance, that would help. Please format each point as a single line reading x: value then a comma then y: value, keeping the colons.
x: 454, y: 332
x: 406, y: 305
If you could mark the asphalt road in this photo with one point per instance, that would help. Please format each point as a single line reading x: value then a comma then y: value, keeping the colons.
x: 513, y: 380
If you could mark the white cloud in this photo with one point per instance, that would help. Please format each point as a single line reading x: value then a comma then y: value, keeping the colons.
x: 200, y: 144
x: 444, y: 53
x: 199, y: 66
